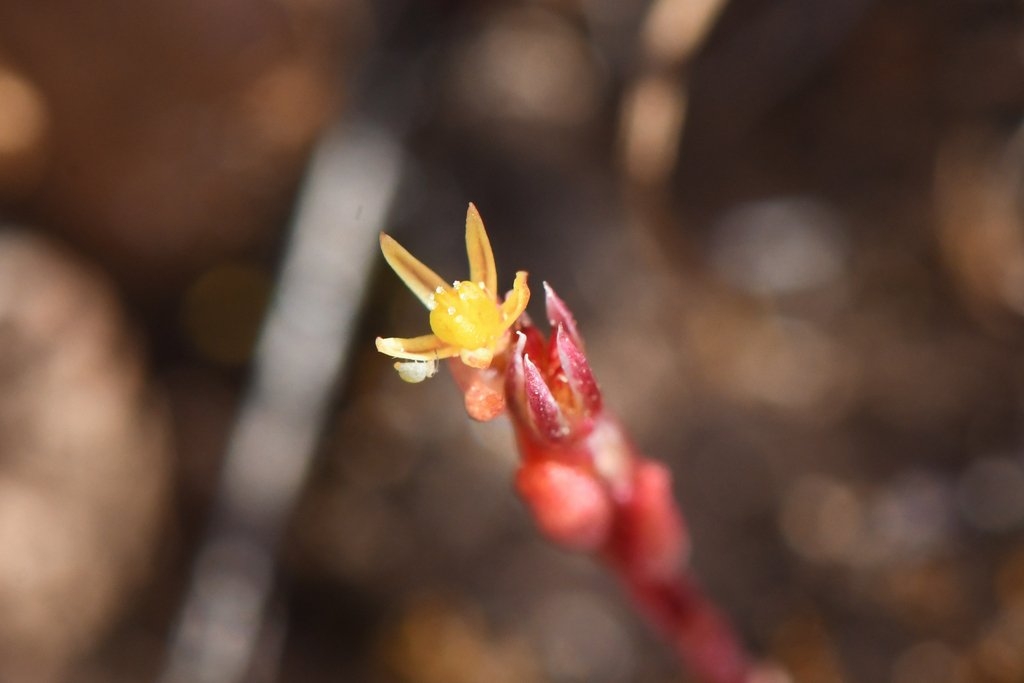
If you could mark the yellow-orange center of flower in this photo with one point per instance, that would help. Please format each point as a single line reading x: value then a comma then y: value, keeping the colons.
x: 465, y: 315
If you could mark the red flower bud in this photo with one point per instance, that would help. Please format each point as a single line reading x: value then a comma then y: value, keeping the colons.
x: 657, y: 541
x: 570, y: 505
x: 550, y: 386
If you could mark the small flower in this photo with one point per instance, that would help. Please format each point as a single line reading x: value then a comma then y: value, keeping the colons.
x: 467, y: 318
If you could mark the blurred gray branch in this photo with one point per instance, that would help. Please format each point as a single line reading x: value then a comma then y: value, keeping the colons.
x: 300, y: 358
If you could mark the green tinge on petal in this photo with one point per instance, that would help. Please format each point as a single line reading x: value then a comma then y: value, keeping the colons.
x: 418, y: 277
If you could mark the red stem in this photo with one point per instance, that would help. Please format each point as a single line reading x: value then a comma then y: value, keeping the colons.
x: 694, y: 627
x: 648, y: 550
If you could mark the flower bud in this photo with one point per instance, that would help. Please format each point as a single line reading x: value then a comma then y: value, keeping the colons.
x: 569, y: 504
x: 658, y: 542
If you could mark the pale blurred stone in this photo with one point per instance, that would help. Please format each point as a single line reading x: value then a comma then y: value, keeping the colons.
x: 83, y: 461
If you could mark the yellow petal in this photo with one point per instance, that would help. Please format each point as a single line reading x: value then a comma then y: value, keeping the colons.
x: 477, y: 358
x: 515, y: 304
x: 427, y: 347
x: 481, y: 258
x: 419, y: 278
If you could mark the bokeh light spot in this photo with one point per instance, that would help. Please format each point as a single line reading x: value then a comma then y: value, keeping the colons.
x: 222, y: 312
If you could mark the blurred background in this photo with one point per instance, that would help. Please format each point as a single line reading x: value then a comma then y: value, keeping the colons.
x: 792, y: 232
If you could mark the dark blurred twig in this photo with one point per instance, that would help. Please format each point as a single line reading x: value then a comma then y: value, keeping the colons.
x: 300, y: 358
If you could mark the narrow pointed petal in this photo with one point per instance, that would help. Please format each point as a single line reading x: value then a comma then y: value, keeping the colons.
x: 577, y: 370
x: 559, y: 314
x: 417, y: 277
x: 427, y: 347
x: 515, y: 375
x: 544, y: 409
x: 517, y: 299
x: 535, y: 346
x: 481, y: 258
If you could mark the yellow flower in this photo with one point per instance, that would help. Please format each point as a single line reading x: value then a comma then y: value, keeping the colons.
x: 467, y: 317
